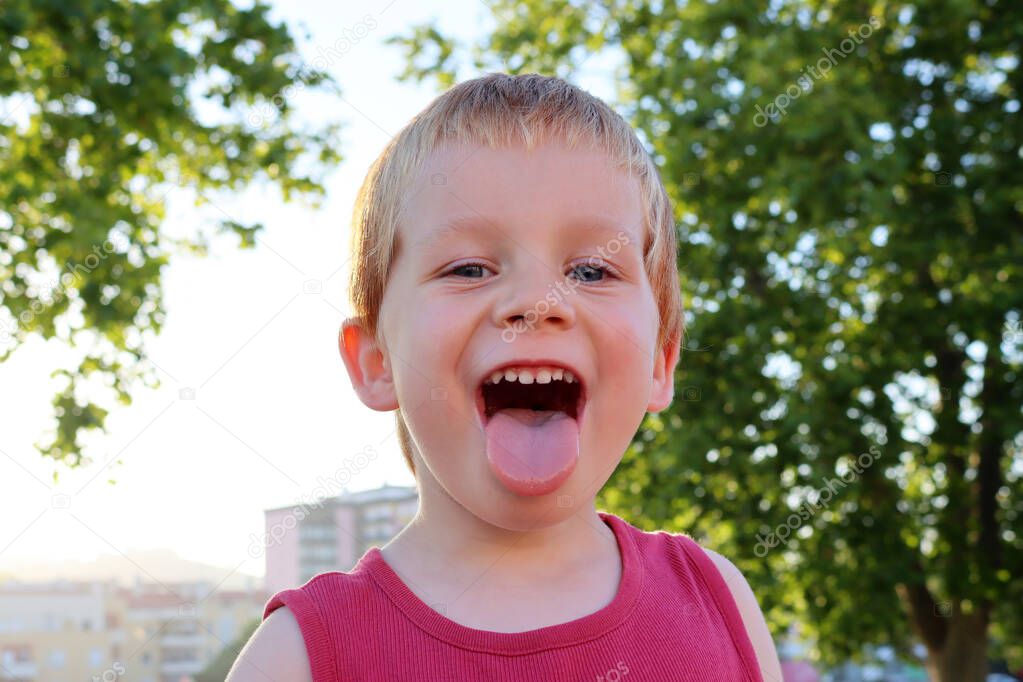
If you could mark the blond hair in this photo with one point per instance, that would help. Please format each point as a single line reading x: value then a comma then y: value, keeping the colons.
x: 499, y: 111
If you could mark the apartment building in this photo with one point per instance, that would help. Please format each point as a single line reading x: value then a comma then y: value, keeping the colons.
x: 331, y: 535
x: 56, y: 632
x: 151, y: 632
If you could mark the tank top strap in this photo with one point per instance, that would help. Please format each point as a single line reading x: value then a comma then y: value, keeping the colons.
x: 725, y: 602
x: 319, y: 648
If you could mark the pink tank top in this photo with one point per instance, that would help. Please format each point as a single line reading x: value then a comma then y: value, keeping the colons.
x: 673, y: 618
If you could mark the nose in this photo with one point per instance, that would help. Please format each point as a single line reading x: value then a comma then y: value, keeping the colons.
x: 534, y: 299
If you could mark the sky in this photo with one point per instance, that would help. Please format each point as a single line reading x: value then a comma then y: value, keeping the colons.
x: 255, y: 409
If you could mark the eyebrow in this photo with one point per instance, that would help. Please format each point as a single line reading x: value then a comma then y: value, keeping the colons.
x: 473, y: 224
x: 463, y: 224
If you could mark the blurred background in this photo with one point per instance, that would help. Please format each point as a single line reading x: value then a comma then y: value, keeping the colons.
x: 178, y: 438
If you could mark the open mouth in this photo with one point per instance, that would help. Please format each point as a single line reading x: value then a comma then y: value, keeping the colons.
x: 539, y: 390
x: 546, y: 389
x: 530, y: 416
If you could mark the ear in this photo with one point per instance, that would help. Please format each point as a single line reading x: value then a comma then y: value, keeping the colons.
x: 367, y: 367
x: 663, y: 388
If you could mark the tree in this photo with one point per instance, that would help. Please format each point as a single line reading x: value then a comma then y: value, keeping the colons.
x: 849, y: 187
x: 108, y: 106
x: 217, y: 669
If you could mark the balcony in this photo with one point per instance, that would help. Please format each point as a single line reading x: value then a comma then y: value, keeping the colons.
x: 189, y: 666
x: 182, y: 639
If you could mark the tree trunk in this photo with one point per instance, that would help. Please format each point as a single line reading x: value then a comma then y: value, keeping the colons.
x: 956, y: 641
x: 963, y: 658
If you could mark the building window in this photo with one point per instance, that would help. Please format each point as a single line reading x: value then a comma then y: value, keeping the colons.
x: 95, y: 658
x: 377, y: 513
x: 16, y: 655
x: 315, y: 531
x: 57, y: 658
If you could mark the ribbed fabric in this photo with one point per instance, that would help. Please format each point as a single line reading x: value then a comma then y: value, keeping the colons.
x: 673, y: 618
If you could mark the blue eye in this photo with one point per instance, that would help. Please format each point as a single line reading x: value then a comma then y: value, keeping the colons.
x: 469, y: 270
x: 588, y: 273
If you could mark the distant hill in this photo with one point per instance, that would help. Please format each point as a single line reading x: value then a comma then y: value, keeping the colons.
x: 138, y: 566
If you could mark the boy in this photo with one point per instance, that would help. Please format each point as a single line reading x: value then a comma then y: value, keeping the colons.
x: 516, y: 303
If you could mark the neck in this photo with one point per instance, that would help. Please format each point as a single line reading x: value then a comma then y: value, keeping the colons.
x: 445, y: 536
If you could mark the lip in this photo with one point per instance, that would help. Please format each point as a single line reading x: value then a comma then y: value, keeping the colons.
x: 532, y: 362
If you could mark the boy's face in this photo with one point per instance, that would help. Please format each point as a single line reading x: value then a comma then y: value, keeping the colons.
x: 543, y: 273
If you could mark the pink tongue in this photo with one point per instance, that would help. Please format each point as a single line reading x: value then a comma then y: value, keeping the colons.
x: 532, y: 453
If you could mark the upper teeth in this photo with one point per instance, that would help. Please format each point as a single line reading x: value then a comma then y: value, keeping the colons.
x: 523, y: 375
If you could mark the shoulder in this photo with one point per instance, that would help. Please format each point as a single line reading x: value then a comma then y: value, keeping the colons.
x: 275, y: 651
x: 752, y: 617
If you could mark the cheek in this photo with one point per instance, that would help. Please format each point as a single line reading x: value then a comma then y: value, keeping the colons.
x: 624, y: 343
x: 627, y: 338
x: 431, y: 337
x: 426, y: 343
